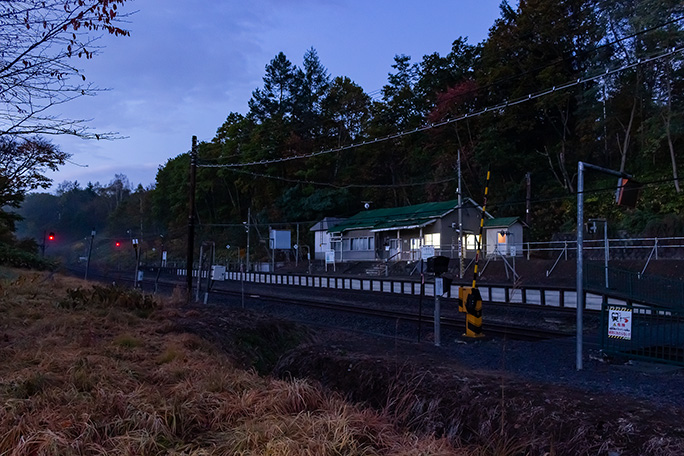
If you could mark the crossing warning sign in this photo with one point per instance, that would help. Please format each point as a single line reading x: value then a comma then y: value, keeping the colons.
x: 620, y: 323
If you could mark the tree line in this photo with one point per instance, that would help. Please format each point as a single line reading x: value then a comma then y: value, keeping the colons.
x: 554, y: 83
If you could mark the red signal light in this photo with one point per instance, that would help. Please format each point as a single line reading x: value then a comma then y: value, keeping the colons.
x: 51, y: 237
x: 117, y: 244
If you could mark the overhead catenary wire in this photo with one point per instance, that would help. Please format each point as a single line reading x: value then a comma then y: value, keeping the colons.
x: 373, y: 216
x: 377, y: 92
x: 612, y: 189
x: 493, y: 108
x: 338, y: 186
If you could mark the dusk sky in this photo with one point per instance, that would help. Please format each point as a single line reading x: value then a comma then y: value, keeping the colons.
x: 188, y: 64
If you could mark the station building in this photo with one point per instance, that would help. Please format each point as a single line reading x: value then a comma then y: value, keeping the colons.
x: 402, y: 233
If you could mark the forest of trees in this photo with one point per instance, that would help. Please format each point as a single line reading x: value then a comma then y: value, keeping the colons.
x: 600, y: 81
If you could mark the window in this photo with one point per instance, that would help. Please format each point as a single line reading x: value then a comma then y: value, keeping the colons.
x: 471, y: 242
x: 432, y: 239
x: 501, y: 237
x: 359, y: 244
x: 415, y: 244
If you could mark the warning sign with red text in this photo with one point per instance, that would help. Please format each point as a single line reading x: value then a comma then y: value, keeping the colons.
x: 620, y: 323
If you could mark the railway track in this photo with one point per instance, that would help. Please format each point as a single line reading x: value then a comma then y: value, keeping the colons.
x: 274, y: 295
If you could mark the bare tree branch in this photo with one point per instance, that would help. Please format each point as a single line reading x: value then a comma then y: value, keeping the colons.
x: 39, y: 42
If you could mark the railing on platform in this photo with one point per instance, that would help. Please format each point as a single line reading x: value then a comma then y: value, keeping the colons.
x: 618, y: 248
x: 635, y: 287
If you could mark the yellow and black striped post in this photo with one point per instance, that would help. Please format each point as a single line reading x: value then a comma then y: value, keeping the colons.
x: 470, y: 302
x: 470, y: 299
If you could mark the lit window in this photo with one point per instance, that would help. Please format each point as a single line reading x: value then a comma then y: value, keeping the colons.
x: 471, y: 242
x: 433, y: 239
x: 501, y: 238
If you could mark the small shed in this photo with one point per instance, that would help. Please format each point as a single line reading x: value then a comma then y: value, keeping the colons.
x: 503, y: 236
x: 322, y: 242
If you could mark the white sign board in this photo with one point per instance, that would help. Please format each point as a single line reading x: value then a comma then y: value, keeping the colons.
x: 218, y: 273
x: 280, y: 239
x: 330, y: 257
x: 427, y: 251
x: 620, y: 323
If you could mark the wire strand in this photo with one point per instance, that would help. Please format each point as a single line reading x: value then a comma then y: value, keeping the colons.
x: 494, y: 108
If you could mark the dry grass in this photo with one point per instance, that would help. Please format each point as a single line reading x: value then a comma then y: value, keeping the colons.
x: 95, y: 370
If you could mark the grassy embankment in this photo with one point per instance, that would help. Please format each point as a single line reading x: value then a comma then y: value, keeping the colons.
x: 100, y: 370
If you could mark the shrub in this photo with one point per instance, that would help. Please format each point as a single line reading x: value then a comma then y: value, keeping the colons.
x: 15, y: 257
x: 110, y: 296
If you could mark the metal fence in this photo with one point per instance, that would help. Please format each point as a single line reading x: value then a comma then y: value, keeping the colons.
x: 618, y: 248
x: 635, y: 287
x: 643, y: 332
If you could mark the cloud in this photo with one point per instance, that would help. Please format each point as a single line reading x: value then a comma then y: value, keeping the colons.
x: 188, y: 64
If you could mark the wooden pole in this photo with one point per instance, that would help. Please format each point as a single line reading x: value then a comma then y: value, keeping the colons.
x: 191, y: 215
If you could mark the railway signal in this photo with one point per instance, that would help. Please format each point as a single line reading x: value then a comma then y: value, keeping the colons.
x: 627, y: 192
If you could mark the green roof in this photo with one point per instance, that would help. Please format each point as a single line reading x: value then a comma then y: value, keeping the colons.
x: 399, y: 217
x: 501, y: 221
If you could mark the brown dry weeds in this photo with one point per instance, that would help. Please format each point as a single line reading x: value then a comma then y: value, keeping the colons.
x: 85, y: 374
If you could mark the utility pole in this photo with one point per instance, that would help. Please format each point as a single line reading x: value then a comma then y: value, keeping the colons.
x: 90, y: 249
x: 297, y: 250
x: 191, y: 215
x: 161, y: 263
x: 137, y: 261
x: 580, y: 241
x: 461, y: 262
x: 528, y: 195
x: 249, y: 218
